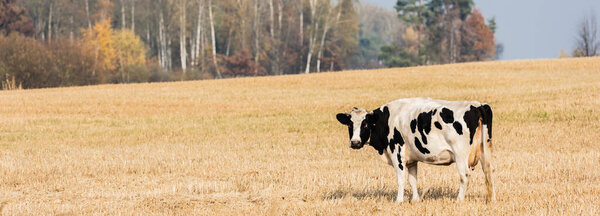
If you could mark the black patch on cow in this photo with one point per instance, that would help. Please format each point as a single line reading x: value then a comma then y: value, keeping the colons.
x: 420, y: 147
x: 424, y: 122
x: 379, y: 129
x: 392, y: 145
x: 398, y: 137
x: 396, y: 140
x: 350, y: 130
x: 471, y: 118
x: 343, y: 118
x: 438, y: 125
x: 447, y: 115
x: 400, y: 161
x: 486, y: 117
x: 458, y: 128
x: 424, y: 125
x: 413, y: 125
x: 434, y: 111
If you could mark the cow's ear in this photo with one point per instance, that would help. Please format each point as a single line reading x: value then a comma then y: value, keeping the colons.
x: 371, y: 118
x: 343, y: 118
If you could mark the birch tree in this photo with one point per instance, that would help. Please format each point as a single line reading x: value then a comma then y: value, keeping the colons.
x: 257, y: 29
x: 182, y: 35
x: 196, y: 48
x: 123, y: 24
x: 50, y: 22
x: 312, y: 33
x: 214, y: 44
x: 328, y: 24
x: 163, y: 55
x: 87, y: 14
x: 132, y: 15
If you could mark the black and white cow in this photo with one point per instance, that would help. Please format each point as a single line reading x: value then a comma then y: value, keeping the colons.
x: 407, y: 131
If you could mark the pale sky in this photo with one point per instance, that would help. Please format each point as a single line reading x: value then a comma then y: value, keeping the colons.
x: 532, y: 29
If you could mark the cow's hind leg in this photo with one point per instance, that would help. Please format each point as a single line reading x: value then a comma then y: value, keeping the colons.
x: 462, y: 167
x: 412, y: 179
x: 487, y: 171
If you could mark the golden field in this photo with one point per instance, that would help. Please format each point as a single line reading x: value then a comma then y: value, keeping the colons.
x: 272, y: 145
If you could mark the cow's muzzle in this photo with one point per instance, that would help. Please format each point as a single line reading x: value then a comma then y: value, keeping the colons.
x: 356, y: 144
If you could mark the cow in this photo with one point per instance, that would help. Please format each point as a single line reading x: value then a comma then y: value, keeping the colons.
x: 407, y: 131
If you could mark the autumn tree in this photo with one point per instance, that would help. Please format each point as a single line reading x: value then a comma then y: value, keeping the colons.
x: 445, y: 31
x: 99, y: 40
x: 437, y: 24
x: 412, y: 12
x: 129, y: 50
x: 242, y: 64
x: 477, y: 43
x: 114, y: 51
x: 343, y: 41
x: 14, y: 19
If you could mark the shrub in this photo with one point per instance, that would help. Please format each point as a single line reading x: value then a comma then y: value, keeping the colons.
x: 156, y: 72
x: 71, y: 63
x: 137, y: 73
x: 27, y: 61
x: 35, y: 64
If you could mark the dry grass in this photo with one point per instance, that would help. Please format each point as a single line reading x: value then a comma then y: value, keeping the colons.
x: 272, y: 145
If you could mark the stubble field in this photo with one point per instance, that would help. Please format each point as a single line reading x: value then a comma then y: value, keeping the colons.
x: 272, y: 145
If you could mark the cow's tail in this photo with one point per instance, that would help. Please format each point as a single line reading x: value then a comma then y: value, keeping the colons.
x: 486, y: 142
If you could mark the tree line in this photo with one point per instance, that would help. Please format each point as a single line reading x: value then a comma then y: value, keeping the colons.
x: 49, y: 43
x: 441, y: 32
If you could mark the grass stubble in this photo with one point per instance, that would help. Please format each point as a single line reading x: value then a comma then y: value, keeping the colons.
x: 272, y: 146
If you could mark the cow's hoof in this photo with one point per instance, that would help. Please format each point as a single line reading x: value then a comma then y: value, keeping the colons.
x: 399, y: 201
x: 415, y: 200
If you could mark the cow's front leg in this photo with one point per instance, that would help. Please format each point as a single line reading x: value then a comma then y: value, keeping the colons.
x: 412, y: 179
x: 400, y: 175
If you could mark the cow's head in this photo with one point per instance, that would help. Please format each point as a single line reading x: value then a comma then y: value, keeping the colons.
x: 359, y: 122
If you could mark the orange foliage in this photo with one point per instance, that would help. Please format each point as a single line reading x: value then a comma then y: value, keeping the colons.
x: 478, y: 40
x: 241, y: 64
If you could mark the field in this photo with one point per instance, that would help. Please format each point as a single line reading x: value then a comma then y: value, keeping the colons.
x: 272, y: 146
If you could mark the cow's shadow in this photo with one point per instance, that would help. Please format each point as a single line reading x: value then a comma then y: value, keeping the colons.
x: 361, y: 194
x: 433, y: 193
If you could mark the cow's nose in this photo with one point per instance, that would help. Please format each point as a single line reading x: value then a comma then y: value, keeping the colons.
x: 354, y: 142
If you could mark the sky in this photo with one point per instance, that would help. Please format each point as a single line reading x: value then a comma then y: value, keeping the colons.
x: 531, y: 29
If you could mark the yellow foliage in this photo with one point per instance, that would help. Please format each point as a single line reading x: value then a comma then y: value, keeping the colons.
x: 114, y: 49
x: 411, y: 39
x: 563, y: 54
x: 100, y: 39
x: 129, y: 48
